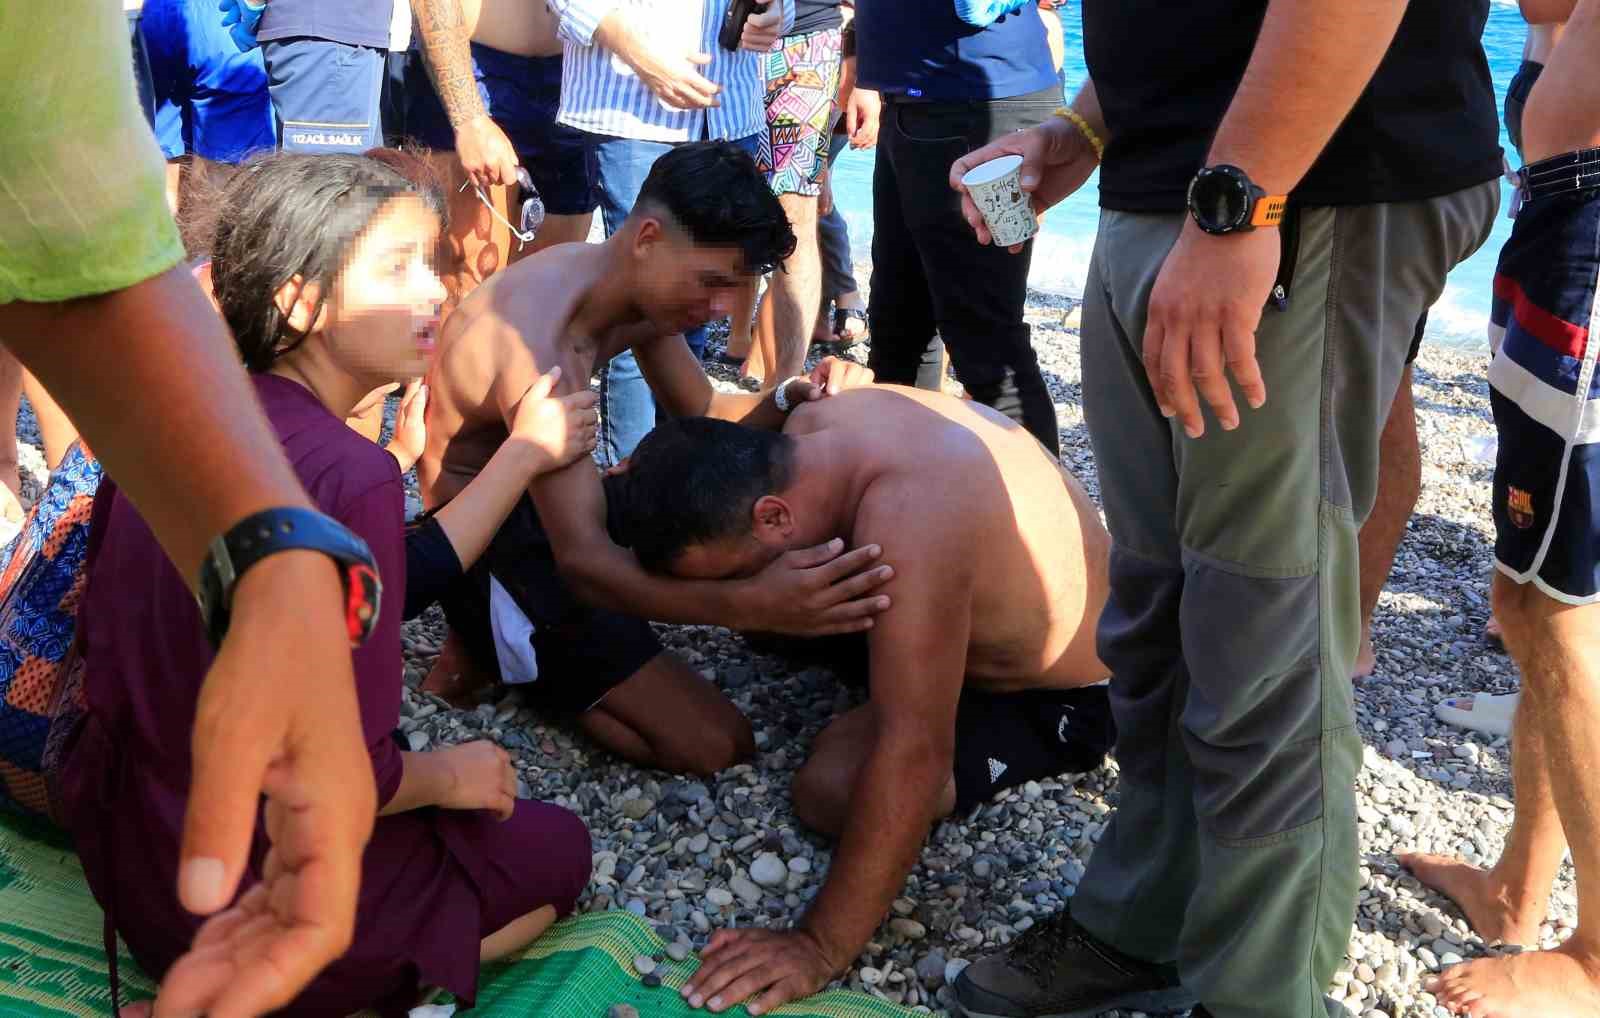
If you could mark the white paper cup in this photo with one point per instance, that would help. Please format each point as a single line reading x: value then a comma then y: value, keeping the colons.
x: 995, y: 187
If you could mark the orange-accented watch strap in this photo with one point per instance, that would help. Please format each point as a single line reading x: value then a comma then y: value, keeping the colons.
x: 1269, y: 210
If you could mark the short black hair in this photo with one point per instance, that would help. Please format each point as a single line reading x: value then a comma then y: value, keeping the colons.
x: 694, y: 480
x: 714, y: 190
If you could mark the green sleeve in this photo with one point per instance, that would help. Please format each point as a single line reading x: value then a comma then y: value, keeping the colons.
x: 83, y: 206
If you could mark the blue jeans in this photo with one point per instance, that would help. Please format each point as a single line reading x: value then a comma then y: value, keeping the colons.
x: 627, y: 409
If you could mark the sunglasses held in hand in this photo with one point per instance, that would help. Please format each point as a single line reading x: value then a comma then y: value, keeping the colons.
x: 531, y: 217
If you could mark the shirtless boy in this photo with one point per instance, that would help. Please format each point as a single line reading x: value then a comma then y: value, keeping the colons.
x: 705, y: 221
x: 983, y: 675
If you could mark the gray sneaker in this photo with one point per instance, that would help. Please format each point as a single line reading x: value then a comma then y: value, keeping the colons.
x: 1059, y: 970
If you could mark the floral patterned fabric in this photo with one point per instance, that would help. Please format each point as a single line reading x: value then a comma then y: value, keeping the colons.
x: 40, y: 586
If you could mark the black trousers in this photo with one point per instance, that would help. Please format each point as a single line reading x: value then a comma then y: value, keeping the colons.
x: 933, y: 281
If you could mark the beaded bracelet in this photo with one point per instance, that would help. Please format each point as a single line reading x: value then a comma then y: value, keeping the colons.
x: 1078, y: 121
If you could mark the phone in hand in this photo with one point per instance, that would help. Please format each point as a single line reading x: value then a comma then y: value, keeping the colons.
x: 732, y: 29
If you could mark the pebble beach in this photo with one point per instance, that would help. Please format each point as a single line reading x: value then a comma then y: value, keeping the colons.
x: 693, y: 856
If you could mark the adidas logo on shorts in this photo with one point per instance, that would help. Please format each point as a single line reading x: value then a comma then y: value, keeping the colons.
x: 996, y: 768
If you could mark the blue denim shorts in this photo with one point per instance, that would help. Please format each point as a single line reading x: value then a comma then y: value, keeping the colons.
x: 326, y: 94
x: 522, y: 96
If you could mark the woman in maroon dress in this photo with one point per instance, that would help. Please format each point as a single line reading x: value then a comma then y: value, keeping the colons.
x: 322, y: 267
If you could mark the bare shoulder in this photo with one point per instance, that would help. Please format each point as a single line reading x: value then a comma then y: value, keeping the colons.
x: 810, y: 418
x: 502, y: 328
x: 907, y: 512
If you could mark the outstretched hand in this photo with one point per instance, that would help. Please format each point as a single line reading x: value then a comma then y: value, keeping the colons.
x: 736, y: 965
x: 1056, y: 160
x: 274, y: 719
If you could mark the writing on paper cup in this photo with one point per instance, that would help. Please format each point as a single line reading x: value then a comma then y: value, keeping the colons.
x: 996, y: 188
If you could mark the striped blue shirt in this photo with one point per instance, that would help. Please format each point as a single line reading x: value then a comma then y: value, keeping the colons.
x: 601, y: 94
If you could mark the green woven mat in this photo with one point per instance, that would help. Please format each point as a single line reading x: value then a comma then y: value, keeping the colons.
x: 585, y: 964
x: 52, y: 964
x: 52, y: 961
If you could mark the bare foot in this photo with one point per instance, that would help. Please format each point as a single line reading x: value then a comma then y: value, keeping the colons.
x: 1563, y: 983
x: 1366, y: 658
x: 454, y: 677
x: 1483, y: 897
x: 143, y: 1009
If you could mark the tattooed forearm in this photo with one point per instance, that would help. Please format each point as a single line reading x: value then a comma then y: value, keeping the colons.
x: 447, y: 52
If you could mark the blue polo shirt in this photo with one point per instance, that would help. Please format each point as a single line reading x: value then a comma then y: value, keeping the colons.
x: 211, y: 99
x: 924, y: 50
x: 352, y: 22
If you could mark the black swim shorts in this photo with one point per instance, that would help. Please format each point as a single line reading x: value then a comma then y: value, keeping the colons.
x: 1002, y: 739
x: 583, y: 652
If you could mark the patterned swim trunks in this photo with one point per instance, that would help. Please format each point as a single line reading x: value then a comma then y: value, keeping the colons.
x: 1543, y: 385
x: 802, y: 76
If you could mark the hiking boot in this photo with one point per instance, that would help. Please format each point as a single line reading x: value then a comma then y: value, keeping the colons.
x: 1059, y: 970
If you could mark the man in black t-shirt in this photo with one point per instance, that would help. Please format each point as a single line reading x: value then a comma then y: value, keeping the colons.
x: 1285, y: 185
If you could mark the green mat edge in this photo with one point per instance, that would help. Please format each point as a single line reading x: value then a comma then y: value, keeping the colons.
x: 70, y: 976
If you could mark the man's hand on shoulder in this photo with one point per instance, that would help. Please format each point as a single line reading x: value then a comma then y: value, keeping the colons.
x: 831, y: 376
x: 780, y: 966
x: 817, y: 591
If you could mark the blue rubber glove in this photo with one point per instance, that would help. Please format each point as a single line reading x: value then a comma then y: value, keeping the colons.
x: 983, y: 13
x: 240, y: 18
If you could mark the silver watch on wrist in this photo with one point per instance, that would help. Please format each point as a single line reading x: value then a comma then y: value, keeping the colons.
x: 780, y: 395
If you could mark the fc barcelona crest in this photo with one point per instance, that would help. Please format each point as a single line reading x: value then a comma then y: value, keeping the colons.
x: 1519, y: 506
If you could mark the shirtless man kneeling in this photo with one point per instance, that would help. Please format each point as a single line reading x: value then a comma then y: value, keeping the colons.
x: 704, y: 222
x: 982, y: 676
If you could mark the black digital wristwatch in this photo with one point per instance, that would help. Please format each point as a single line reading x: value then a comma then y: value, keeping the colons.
x: 1223, y: 199
x: 290, y: 529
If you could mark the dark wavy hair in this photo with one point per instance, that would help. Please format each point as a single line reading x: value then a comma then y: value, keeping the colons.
x: 287, y: 214
x: 693, y: 480
x: 715, y: 192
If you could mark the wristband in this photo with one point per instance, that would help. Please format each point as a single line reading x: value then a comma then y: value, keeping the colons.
x: 1077, y: 120
x: 289, y: 529
x: 780, y: 395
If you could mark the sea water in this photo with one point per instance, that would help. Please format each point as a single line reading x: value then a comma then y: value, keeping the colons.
x: 1061, y: 252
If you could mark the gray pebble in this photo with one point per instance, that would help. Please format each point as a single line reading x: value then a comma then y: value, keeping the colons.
x: 930, y: 969
x: 644, y: 964
x: 639, y: 808
x: 747, y: 891
x: 768, y: 870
